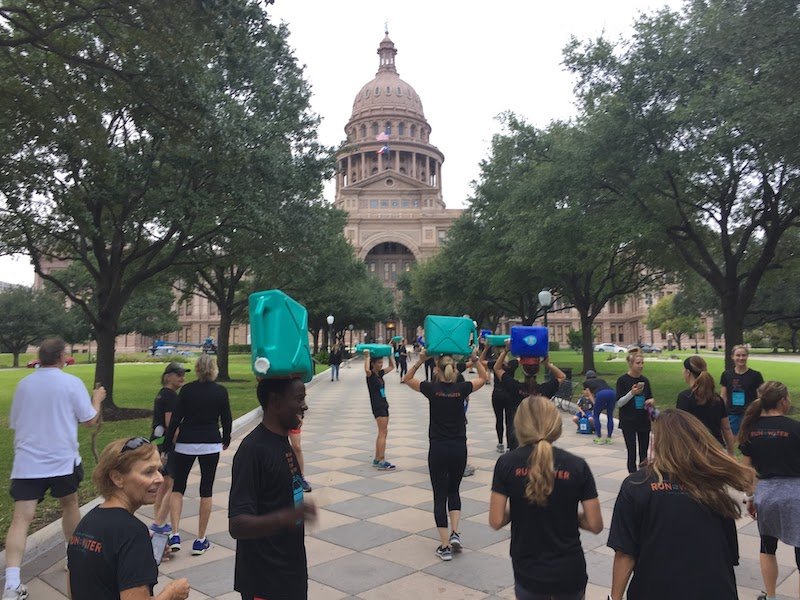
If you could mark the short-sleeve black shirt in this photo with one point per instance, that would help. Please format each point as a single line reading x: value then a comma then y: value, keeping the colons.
x: 546, y: 548
x: 166, y: 402
x: 774, y: 447
x: 517, y: 391
x: 265, y: 478
x: 710, y: 414
x: 446, y: 402
x: 682, y: 549
x: 631, y: 417
x: 109, y: 552
x: 748, y: 382
x: 595, y: 384
x: 376, y: 387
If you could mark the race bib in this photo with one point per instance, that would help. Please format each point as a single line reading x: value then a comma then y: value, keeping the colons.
x: 639, y: 402
x: 737, y: 399
x: 383, y: 392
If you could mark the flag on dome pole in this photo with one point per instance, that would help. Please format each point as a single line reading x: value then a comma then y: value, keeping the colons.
x: 384, y: 149
x: 382, y: 137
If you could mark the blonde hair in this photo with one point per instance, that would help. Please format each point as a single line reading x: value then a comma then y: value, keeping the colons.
x: 448, y: 373
x: 114, y: 459
x: 538, y: 424
x: 633, y: 354
x: 685, y: 450
x: 206, y: 368
x: 740, y: 347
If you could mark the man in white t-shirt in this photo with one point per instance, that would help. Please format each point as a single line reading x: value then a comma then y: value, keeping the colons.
x: 47, y: 407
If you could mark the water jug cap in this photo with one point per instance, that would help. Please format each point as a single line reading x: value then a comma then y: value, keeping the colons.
x: 261, y: 364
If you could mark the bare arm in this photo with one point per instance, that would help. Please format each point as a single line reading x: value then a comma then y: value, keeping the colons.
x: 175, y: 590
x: 250, y: 527
x: 367, y: 367
x: 723, y: 392
x: 499, y: 514
x: 409, y: 378
x: 98, y: 395
x: 554, y: 370
x: 482, y: 377
x: 621, y: 574
x: 727, y: 435
x: 591, y: 519
x: 498, y: 365
x: 749, y: 500
x: 391, y: 364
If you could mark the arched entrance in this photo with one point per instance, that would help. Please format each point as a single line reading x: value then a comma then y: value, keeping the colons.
x: 387, y: 260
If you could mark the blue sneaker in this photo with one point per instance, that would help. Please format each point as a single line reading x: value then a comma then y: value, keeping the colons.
x: 166, y: 528
x: 384, y: 465
x: 174, y: 542
x: 200, y: 546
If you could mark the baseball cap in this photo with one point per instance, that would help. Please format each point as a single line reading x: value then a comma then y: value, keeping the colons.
x: 590, y: 374
x: 174, y: 367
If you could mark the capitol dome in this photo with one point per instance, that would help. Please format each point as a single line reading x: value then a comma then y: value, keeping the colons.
x: 387, y: 92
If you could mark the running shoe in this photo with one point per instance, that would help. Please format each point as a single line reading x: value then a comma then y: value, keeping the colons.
x: 444, y: 552
x: 200, y: 546
x: 469, y: 470
x: 598, y: 440
x: 174, y: 542
x: 455, y: 541
x: 609, y: 441
x: 21, y: 593
x: 384, y: 465
x: 306, y: 486
x: 166, y: 528
x: 501, y: 448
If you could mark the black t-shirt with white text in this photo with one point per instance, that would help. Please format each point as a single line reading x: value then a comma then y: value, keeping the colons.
x: 682, y: 548
x: 109, y: 552
x: 265, y: 478
x: 710, y: 414
x: 633, y: 415
x: 166, y: 402
x: 376, y: 387
x: 741, y: 389
x: 546, y: 550
x: 774, y: 447
x: 446, y: 401
x: 517, y: 391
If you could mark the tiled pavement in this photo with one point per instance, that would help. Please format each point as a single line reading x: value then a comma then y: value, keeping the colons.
x: 375, y: 537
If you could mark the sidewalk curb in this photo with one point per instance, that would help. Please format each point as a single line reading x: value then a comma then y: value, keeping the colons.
x: 50, y: 536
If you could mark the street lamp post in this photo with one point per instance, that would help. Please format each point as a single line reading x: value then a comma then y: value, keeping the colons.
x: 649, y: 301
x: 330, y: 320
x: 545, y: 299
x: 350, y: 351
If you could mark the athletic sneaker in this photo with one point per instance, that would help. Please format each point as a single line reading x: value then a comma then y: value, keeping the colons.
x: 501, y: 448
x: 174, y: 542
x: 455, y: 541
x: 306, y: 486
x: 469, y: 470
x: 598, y: 440
x: 609, y: 441
x: 444, y: 552
x: 166, y: 528
x: 21, y: 593
x: 200, y: 546
x: 384, y: 465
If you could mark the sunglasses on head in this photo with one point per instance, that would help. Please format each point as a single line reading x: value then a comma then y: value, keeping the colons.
x: 133, y: 444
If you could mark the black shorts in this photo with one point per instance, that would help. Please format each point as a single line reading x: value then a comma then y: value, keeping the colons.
x: 35, y: 489
x: 380, y: 408
x: 168, y: 464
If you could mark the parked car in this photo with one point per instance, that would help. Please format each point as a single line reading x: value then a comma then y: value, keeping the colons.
x: 609, y: 347
x: 646, y: 348
x: 34, y: 364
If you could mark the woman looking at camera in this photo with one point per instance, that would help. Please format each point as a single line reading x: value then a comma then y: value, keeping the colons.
x: 110, y: 555
x: 635, y: 400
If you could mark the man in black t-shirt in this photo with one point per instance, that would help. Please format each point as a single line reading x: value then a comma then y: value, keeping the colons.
x: 266, y: 509
x: 517, y: 391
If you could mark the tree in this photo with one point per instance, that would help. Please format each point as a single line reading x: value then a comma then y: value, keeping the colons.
x: 29, y: 316
x: 146, y: 144
x: 668, y: 315
x: 695, y: 118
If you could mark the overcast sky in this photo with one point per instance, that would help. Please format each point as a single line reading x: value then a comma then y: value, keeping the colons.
x: 469, y: 61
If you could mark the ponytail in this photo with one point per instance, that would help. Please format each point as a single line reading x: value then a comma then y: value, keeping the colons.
x: 703, y: 388
x: 541, y: 473
x: 447, y: 370
x: 769, y: 395
x: 751, y: 415
x: 538, y: 424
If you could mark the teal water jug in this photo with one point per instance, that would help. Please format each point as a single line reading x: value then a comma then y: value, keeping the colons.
x: 496, y: 340
x: 529, y: 340
x: 375, y: 350
x: 397, y: 338
x: 279, y: 336
x: 449, y: 335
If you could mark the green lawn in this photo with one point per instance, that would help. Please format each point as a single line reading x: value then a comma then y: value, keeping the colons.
x: 135, y: 385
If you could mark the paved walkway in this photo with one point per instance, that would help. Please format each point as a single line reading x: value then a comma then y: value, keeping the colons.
x: 375, y: 537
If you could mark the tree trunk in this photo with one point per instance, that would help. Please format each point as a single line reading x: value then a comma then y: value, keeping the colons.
x: 733, y: 324
x: 678, y: 341
x: 223, y: 335
x: 587, y: 343
x: 15, y: 359
x: 104, y: 368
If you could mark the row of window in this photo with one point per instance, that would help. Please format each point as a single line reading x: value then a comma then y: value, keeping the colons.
x: 388, y: 128
x: 389, y: 269
x: 394, y: 203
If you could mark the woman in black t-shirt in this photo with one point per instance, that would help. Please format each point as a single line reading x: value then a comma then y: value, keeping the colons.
x: 673, y: 525
x: 770, y: 442
x: 544, y: 485
x: 110, y: 551
x: 739, y: 387
x: 376, y: 386
x: 447, y: 455
x: 402, y: 358
x: 703, y: 402
x: 635, y: 401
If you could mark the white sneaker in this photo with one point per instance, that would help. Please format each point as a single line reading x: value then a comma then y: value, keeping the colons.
x: 21, y: 593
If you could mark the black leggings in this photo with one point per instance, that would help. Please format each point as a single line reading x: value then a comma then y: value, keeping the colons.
x: 208, y: 469
x: 430, y: 365
x: 446, y: 463
x: 769, y: 545
x: 499, y: 406
x: 630, y: 444
x: 511, y: 434
x: 522, y: 594
x: 403, y: 363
